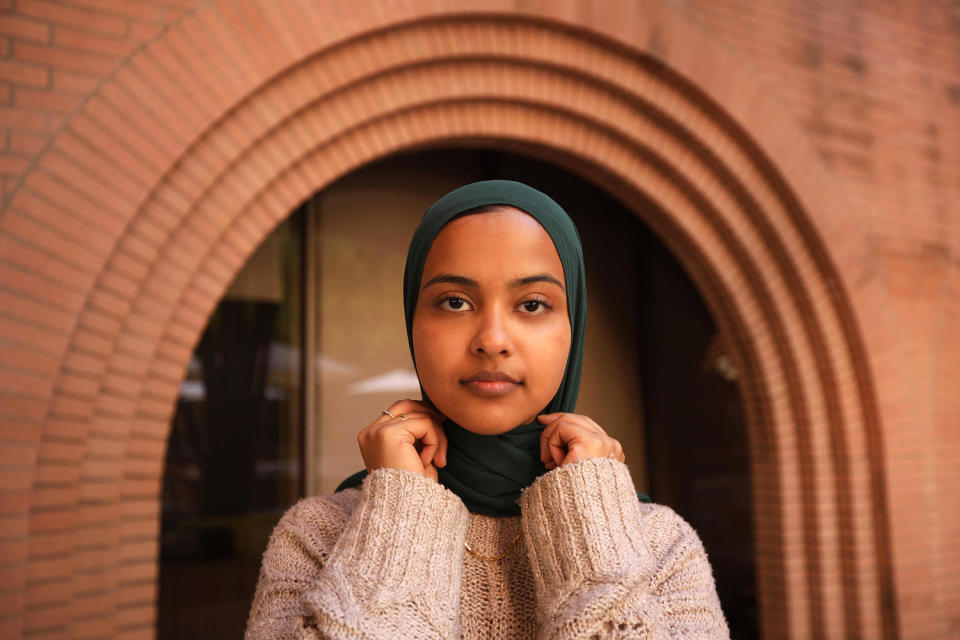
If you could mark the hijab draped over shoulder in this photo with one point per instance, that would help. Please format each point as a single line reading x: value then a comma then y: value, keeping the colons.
x: 488, y: 472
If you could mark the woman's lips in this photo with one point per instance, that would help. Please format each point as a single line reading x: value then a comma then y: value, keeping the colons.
x: 490, y: 383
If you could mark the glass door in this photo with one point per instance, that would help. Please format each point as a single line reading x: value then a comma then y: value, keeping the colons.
x: 233, y: 462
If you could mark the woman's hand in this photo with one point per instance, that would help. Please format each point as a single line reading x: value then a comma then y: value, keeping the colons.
x: 413, y: 440
x: 571, y: 438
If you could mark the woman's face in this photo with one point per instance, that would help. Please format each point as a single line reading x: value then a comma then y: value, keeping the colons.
x: 491, y: 332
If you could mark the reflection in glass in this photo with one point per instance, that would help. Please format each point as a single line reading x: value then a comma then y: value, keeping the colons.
x: 233, y: 459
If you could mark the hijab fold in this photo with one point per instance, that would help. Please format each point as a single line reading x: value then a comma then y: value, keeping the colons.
x: 489, y: 472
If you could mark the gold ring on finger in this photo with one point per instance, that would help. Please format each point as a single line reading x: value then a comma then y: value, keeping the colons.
x: 402, y: 417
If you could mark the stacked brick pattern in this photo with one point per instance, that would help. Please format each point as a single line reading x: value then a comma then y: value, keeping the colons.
x: 876, y: 86
x: 150, y: 146
x: 53, y: 55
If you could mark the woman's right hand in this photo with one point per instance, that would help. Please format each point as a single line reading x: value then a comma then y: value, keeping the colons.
x: 413, y: 440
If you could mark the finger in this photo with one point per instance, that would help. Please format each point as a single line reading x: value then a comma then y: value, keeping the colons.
x: 419, y: 428
x: 440, y: 459
x: 544, y: 440
x: 569, y: 437
x: 574, y: 418
x: 406, y: 407
x: 574, y: 442
x: 392, y: 413
x: 410, y: 428
x: 567, y: 416
x: 361, y: 444
x: 415, y: 406
x: 431, y: 444
x: 557, y: 443
x: 550, y: 417
x: 543, y: 445
x: 558, y: 452
x: 403, y: 418
x: 427, y: 453
x: 561, y: 435
x: 384, y: 417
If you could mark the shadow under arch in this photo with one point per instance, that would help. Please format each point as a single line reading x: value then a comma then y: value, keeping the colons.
x: 617, y: 116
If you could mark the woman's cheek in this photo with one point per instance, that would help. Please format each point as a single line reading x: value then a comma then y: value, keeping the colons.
x: 561, y: 339
x: 439, y: 349
x: 561, y: 351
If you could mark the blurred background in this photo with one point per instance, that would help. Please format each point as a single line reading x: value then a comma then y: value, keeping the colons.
x: 206, y: 207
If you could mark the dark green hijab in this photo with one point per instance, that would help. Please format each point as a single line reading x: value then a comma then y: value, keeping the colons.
x: 490, y: 472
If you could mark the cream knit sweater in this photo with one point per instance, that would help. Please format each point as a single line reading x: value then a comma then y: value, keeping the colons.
x: 388, y: 561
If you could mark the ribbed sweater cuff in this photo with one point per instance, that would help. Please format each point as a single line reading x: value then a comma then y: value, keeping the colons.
x: 406, y: 534
x: 582, y: 523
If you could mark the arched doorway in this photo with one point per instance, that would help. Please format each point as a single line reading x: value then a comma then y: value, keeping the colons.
x: 693, y: 134
x: 340, y: 256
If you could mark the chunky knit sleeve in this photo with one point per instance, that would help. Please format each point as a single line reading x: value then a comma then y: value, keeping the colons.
x: 607, y: 566
x: 389, y: 568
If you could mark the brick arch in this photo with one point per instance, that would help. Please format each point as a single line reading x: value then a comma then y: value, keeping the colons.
x: 179, y: 205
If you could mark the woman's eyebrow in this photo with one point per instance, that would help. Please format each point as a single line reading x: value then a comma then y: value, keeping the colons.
x: 541, y: 277
x: 452, y: 279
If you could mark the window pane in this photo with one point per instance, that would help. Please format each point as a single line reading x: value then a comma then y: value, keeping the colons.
x: 234, y: 455
x: 363, y: 224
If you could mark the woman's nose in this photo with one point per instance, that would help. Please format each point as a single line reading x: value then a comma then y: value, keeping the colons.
x: 492, y: 336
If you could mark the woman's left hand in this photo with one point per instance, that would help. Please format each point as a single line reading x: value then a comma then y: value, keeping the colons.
x: 571, y: 438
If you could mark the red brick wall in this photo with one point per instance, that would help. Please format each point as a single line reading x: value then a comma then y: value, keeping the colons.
x: 53, y: 55
x: 803, y: 155
x: 876, y: 85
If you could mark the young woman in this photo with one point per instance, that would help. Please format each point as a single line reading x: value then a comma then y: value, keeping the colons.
x: 488, y: 508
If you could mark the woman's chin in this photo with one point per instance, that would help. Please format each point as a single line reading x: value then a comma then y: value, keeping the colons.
x: 488, y: 426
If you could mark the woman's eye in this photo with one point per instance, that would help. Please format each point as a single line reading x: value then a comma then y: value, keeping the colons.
x: 454, y: 303
x: 534, y: 306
